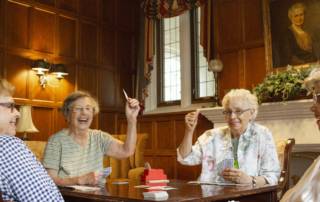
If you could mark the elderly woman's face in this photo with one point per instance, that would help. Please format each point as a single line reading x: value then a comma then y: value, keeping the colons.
x: 237, y: 115
x: 81, y: 114
x: 8, y: 116
x: 315, y: 108
x: 297, y: 16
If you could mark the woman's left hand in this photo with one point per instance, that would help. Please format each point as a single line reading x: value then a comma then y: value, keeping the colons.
x: 132, y: 108
x: 236, y: 175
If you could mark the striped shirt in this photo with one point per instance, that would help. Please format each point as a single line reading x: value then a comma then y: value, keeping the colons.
x: 70, y: 159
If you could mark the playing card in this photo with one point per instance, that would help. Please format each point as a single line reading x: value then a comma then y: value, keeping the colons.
x: 125, y: 94
x: 225, y: 163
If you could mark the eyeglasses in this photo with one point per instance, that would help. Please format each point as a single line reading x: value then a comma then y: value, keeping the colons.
x: 9, y: 105
x: 316, y: 98
x: 237, y: 112
x: 78, y: 109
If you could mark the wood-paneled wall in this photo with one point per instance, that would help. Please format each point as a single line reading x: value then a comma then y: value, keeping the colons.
x: 239, y: 38
x: 95, y: 39
x: 166, y: 132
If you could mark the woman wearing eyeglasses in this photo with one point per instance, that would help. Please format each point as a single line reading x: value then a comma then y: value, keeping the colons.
x: 308, y: 187
x: 242, y: 152
x: 22, y: 177
x: 75, y: 155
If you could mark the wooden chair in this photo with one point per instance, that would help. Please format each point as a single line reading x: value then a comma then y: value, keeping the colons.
x: 1, y: 197
x: 284, y: 149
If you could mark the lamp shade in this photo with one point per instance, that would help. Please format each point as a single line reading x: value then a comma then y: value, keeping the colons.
x: 59, y: 70
x: 40, y: 66
x: 25, y: 123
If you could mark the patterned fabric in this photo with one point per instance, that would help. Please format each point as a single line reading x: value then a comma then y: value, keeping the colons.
x: 257, y: 155
x: 168, y: 8
x: 308, y: 187
x: 22, y: 177
x: 70, y: 159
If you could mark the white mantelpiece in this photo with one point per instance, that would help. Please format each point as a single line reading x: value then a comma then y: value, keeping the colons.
x: 284, y: 119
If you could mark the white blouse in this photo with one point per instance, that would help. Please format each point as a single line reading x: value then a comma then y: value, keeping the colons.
x: 257, y: 155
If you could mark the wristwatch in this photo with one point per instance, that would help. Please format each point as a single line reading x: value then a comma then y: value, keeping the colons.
x: 254, y: 181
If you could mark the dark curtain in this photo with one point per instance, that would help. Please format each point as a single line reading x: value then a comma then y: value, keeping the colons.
x: 157, y: 9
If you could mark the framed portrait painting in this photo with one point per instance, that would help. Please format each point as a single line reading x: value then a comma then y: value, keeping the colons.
x: 292, y: 32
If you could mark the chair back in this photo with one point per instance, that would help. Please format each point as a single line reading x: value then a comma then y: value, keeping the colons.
x: 37, y: 148
x: 121, y: 167
x: 284, y: 149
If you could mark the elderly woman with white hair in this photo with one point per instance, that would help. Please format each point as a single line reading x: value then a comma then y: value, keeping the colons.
x: 308, y: 187
x: 242, y: 152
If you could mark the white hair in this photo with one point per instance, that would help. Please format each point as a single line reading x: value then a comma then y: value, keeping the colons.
x: 244, y: 96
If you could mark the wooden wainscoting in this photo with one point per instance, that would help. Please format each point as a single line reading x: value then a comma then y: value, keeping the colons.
x: 165, y: 134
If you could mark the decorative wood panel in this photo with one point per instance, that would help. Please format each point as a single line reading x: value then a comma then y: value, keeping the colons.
x: 108, y: 45
x: 67, y: 37
x: 43, y: 119
x: 17, y: 25
x: 68, y: 5
x: 108, y: 12
x: 229, y: 78
x: 1, y: 64
x: 42, y: 39
x: 107, y: 88
x: 2, y: 22
x: 107, y: 122
x: 253, y: 26
x: 60, y: 121
x: 47, y: 2
x: 229, y: 24
x: 145, y: 126
x: 17, y: 69
x: 127, y: 17
x: 87, y: 80
x: 88, y: 47
x: 179, y: 127
x: 88, y: 8
x: 165, y: 138
x: 255, y: 62
x: 125, y: 51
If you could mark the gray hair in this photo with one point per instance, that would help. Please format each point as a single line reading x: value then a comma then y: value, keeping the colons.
x: 295, y: 6
x: 243, y: 96
x: 314, y: 77
x: 67, y: 103
x: 6, y: 88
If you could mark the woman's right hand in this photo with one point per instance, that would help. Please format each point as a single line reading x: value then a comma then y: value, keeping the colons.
x: 88, y: 179
x: 191, y: 120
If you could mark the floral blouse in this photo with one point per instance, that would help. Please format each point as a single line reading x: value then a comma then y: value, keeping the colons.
x: 257, y: 155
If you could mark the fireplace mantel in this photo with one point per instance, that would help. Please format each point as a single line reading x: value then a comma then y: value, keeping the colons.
x: 284, y: 119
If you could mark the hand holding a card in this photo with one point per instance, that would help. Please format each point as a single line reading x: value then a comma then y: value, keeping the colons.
x: 236, y: 175
x: 191, y: 120
x: 132, y: 108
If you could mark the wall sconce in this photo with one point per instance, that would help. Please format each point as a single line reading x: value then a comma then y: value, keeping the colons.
x: 25, y: 123
x: 215, y: 66
x: 42, y: 68
x: 59, y: 70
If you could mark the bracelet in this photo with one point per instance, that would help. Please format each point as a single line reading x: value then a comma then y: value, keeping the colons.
x: 254, y: 181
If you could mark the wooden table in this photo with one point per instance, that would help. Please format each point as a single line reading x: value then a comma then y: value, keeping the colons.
x: 184, y: 192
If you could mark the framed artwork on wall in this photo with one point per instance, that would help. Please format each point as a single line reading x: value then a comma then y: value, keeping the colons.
x: 292, y: 32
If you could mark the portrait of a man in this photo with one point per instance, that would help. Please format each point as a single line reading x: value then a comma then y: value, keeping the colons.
x: 295, y: 32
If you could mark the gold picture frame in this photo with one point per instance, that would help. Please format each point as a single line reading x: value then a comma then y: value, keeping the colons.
x: 292, y: 32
